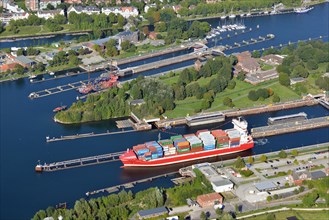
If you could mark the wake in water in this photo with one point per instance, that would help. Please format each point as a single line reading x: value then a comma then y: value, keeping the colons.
x: 261, y: 142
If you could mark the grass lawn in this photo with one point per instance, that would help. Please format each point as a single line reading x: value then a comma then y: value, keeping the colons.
x: 265, y: 67
x: 59, y: 68
x: 302, y: 215
x: 170, y: 80
x: 239, y: 95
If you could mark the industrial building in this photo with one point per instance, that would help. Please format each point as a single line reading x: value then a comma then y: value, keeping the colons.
x: 151, y: 213
x: 219, y: 183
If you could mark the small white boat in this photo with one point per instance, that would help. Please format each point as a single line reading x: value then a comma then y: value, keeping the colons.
x: 51, y: 73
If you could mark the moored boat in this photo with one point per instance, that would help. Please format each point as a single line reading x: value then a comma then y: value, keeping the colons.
x: 204, y: 144
x: 60, y: 108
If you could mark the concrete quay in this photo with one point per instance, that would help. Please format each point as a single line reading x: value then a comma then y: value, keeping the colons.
x: 290, y: 127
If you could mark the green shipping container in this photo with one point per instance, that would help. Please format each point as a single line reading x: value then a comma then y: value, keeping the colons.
x: 196, y: 145
x: 176, y: 137
x: 165, y: 142
x: 183, y: 150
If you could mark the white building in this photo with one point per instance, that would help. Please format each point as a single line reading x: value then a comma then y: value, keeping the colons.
x: 12, y: 7
x: 147, y: 7
x: 219, y: 183
x: 80, y: 9
x: 43, y: 3
x: 49, y: 14
x: 126, y: 12
x: 6, y: 17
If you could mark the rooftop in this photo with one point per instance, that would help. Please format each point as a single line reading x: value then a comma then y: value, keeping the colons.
x: 156, y: 211
x: 266, y: 185
x: 24, y: 59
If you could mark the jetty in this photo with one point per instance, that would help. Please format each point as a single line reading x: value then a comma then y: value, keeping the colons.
x: 250, y: 42
x: 129, y: 184
x: 86, y: 135
x: 57, y: 89
x: 86, y: 161
x: 290, y: 127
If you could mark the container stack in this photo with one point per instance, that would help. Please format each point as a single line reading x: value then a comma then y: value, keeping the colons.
x: 234, y: 136
x: 168, y: 147
x: 172, y: 138
x: 207, y: 139
x: 148, y: 156
x: 182, y: 145
x: 195, y: 143
x: 140, y: 149
x: 155, y: 148
x: 222, y: 140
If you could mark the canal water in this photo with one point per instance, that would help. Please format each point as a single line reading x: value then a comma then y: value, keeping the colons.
x: 25, y: 124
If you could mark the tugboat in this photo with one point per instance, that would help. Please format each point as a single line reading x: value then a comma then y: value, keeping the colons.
x: 38, y: 167
x: 60, y: 108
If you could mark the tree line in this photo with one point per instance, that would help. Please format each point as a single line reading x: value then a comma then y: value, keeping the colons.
x: 302, y: 60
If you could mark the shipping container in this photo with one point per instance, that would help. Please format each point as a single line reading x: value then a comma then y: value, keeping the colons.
x: 200, y: 131
x: 218, y: 133
x: 176, y: 137
x: 189, y: 135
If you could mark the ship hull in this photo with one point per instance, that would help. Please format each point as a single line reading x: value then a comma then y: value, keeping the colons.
x: 185, y: 157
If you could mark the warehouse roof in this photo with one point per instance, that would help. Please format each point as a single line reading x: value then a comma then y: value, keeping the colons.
x: 266, y: 185
x: 24, y: 59
x: 156, y: 211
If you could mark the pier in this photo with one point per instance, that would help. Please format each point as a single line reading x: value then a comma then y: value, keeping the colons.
x: 250, y: 42
x: 290, y: 127
x: 57, y: 89
x: 129, y: 184
x: 86, y: 161
x: 324, y: 103
x: 85, y: 135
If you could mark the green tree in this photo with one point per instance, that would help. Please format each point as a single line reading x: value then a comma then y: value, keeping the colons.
x: 269, y: 198
x: 309, y: 199
x: 250, y: 160
x: 284, y: 79
x: 239, y: 163
x: 300, y: 71
x: 20, y: 52
x: 270, y: 216
x: 276, y: 98
x: 282, y: 154
x: 255, y: 54
x: 263, y: 158
x: 294, y: 152
x: 228, y: 102
x: 312, y: 65
x: 231, y: 84
x: 19, y: 69
x: 241, y: 76
x: 219, y: 212
x: 203, y: 216
x: 253, y: 95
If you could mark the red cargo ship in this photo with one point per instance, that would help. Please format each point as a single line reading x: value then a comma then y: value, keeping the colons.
x: 203, y: 144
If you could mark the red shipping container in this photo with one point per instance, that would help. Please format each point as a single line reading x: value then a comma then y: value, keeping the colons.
x: 152, y: 148
x: 138, y: 147
x: 222, y: 141
x: 198, y: 132
x: 218, y: 133
x: 234, y: 139
x: 148, y: 154
x: 196, y: 149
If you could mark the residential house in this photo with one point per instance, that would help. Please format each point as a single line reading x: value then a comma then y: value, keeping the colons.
x: 209, y: 200
x: 126, y: 12
x: 247, y: 63
x: 293, y: 81
x: 83, y: 9
x: 6, y: 17
x: 44, y: 3
x: 73, y: 2
x: 49, y: 14
x: 32, y: 5
x: 147, y: 7
x: 272, y: 59
x: 7, y: 66
x: 153, y: 35
x: 212, y: 1
x: 12, y: 7
x: 297, y: 177
x: 176, y: 8
x: 24, y: 61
